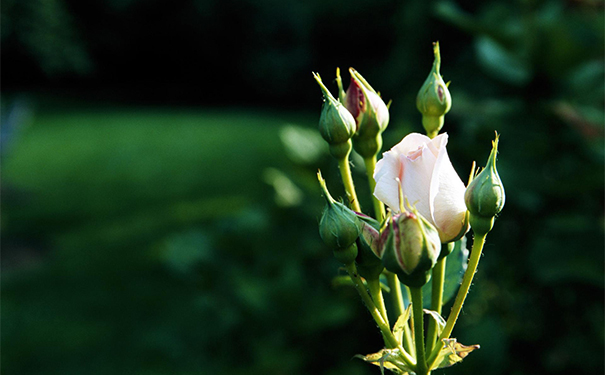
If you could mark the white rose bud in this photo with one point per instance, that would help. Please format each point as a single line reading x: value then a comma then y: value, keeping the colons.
x: 428, y: 180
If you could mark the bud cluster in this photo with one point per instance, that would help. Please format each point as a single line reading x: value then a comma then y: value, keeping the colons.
x: 360, y: 114
x: 413, y: 240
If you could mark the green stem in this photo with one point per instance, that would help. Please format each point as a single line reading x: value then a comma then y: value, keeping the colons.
x: 376, y: 294
x: 378, y: 206
x: 347, y: 180
x: 436, y: 301
x: 407, y: 295
x: 478, y: 243
x: 421, y: 368
x: 388, y: 336
x: 397, y: 299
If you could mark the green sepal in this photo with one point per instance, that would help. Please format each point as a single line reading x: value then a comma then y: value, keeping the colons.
x: 341, y: 150
x: 367, y: 147
x: 446, y: 249
x: 346, y: 255
x: 481, y: 225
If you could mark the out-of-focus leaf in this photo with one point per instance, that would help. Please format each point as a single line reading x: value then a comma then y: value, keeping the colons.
x: 501, y: 63
x: 184, y: 251
x: 287, y: 194
x: 303, y: 145
x: 387, y: 358
x: 455, y: 266
x: 401, y: 322
x: 452, y: 353
x: 451, y: 12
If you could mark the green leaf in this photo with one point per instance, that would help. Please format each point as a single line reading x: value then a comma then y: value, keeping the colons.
x: 401, y: 322
x: 455, y: 266
x: 452, y: 353
x: 501, y: 63
x: 302, y: 145
x: 287, y: 194
x: 440, y: 322
x: 389, y: 359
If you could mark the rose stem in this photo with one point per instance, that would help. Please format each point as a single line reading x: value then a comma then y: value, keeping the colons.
x: 478, y: 243
x: 437, y: 285
x: 347, y: 180
x: 397, y: 299
x: 421, y: 367
x: 389, y: 339
x: 378, y: 206
x: 376, y: 294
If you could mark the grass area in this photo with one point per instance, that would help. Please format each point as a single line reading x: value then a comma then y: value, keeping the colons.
x: 127, y: 172
x: 155, y: 248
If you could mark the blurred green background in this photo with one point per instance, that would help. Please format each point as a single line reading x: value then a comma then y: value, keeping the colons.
x: 159, y: 201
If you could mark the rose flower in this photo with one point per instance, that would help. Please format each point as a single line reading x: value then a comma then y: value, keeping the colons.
x: 422, y: 168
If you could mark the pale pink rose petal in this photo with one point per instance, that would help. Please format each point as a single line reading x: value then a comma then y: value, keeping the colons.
x: 386, y: 174
x: 389, y: 168
x: 428, y: 181
x: 410, y: 143
x: 447, y: 195
x: 416, y: 178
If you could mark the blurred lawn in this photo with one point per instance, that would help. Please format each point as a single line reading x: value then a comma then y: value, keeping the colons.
x: 119, y: 174
x: 143, y: 240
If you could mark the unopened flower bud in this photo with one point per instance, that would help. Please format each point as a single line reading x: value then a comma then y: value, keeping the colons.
x: 368, y: 259
x: 339, y: 227
x: 411, y: 248
x: 434, y: 99
x: 484, y: 196
x: 370, y: 112
x: 336, y: 124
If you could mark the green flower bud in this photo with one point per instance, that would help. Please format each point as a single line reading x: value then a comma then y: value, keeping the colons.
x: 411, y: 249
x: 434, y: 99
x: 370, y: 112
x: 484, y: 196
x: 339, y: 226
x: 336, y: 124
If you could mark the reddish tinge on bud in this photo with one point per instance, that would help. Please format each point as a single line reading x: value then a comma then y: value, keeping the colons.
x: 370, y: 112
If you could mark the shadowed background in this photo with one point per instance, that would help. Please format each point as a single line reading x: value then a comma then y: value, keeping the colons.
x: 159, y: 201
